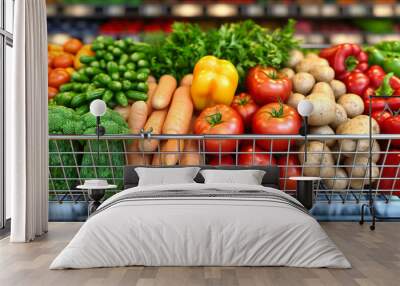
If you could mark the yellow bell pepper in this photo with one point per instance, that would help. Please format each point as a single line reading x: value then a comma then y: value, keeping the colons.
x: 214, y: 82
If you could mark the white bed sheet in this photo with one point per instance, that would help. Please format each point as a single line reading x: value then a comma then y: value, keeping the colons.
x: 200, y: 232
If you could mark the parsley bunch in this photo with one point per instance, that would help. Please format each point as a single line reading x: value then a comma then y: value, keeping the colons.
x: 245, y: 44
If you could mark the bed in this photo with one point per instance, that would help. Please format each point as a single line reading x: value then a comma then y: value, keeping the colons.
x: 198, y: 224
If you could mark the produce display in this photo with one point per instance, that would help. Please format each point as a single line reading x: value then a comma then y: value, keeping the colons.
x: 237, y: 79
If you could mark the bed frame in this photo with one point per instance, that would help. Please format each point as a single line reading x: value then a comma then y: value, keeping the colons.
x: 270, y: 179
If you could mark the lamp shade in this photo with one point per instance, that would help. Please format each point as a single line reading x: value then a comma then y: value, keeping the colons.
x: 98, y: 107
x: 305, y: 108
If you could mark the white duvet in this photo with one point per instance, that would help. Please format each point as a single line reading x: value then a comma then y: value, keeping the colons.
x: 191, y: 231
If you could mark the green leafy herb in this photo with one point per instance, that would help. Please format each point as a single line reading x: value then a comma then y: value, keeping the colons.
x: 245, y: 44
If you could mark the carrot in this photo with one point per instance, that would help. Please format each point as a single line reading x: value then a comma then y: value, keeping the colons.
x: 154, y: 125
x: 191, y: 155
x: 187, y: 80
x: 136, y: 121
x: 123, y: 111
x: 151, y: 79
x: 170, y: 152
x: 163, y: 94
x: 150, y: 93
x: 180, y: 112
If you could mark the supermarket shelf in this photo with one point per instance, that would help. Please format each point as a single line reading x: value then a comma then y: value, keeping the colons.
x: 225, y: 10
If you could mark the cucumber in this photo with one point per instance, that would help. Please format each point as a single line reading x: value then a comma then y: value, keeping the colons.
x: 100, y: 54
x: 112, y: 104
x: 130, y: 75
x: 143, y: 63
x: 142, y: 76
x: 77, y: 87
x: 66, y: 87
x: 137, y: 56
x: 123, y: 59
x: 121, y: 98
x: 109, y: 57
x: 115, y: 76
x: 82, y: 109
x: 95, y: 94
x: 136, y: 95
x: 117, y: 52
x: 145, y: 70
x: 142, y: 86
x: 121, y: 44
x: 64, y: 98
x: 97, y: 46
x: 126, y: 85
x: 91, y: 71
x: 87, y: 59
x: 115, y: 86
x: 84, y: 87
x: 122, y: 69
x: 78, y: 100
x: 112, y: 67
x: 80, y: 77
x: 130, y: 66
x: 107, y: 96
x: 95, y: 64
x: 103, y: 64
x: 103, y: 78
x: 91, y: 87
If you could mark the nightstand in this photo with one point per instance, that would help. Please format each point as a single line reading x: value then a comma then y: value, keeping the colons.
x: 305, y: 190
x: 95, y: 193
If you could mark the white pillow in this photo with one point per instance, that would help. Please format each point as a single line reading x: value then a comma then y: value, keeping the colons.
x: 249, y: 177
x: 166, y: 176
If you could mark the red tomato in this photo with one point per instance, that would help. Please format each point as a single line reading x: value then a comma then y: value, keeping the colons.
x: 276, y: 119
x: 357, y: 82
x: 51, y: 92
x: 225, y: 160
x: 267, y: 85
x: 381, y: 116
x: 292, y: 170
x: 245, y: 105
x: 375, y: 74
x: 72, y: 46
x: 254, y: 158
x: 219, y: 119
x: 58, y: 77
x: 388, y: 171
x: 63, y: 61
x: 392, y: 126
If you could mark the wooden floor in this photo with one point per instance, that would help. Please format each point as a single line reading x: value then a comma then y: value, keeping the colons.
x: 375, y: 257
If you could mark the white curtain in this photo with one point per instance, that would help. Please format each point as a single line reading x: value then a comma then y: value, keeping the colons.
x: 26, y: 124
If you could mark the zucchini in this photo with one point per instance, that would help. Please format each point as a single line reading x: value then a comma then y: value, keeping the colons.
x: 66, y: 87
x: 95, y: 94
x: 112, y: 67
x: 115, y: 86
x: 142, y: 86
x: 78, y: 100
x: 107, y: 96
x: 130, y: 75
x: 143, y: 63
x: 82, y: 109
x: 103, y: 78
x: 126, y: 85
x: 121, y: 98
x: 87, y: 59
x: 136, y: 95
x: 137, y: 56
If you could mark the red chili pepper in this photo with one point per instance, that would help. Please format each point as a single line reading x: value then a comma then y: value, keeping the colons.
x: 357, y: 82
x: 345, y: 58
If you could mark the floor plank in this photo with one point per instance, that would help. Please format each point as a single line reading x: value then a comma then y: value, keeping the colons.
x: 375, y: 257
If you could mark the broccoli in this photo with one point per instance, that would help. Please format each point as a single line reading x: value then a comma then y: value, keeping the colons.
x: 111, y: 151
x: 63, y: 173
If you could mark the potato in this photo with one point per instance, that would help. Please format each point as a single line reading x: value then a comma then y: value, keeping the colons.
x: 324, y: 130
x: 352, y: 103
x: 325, y: 88
x: 324, y: 110
x: 303, y: 82
x: 294, y: 99
x: 341, y: 116
x: 295, y: 56
x: 359, y: 174
x: 288, y: 72
x: 365, y: 153
x: 356, y: 126
x: 323, y: 73
x: 339, y: 181
x: 312, y: 56
x: 338, y: 87
x: 319, y: 160
x: 307, y: 64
